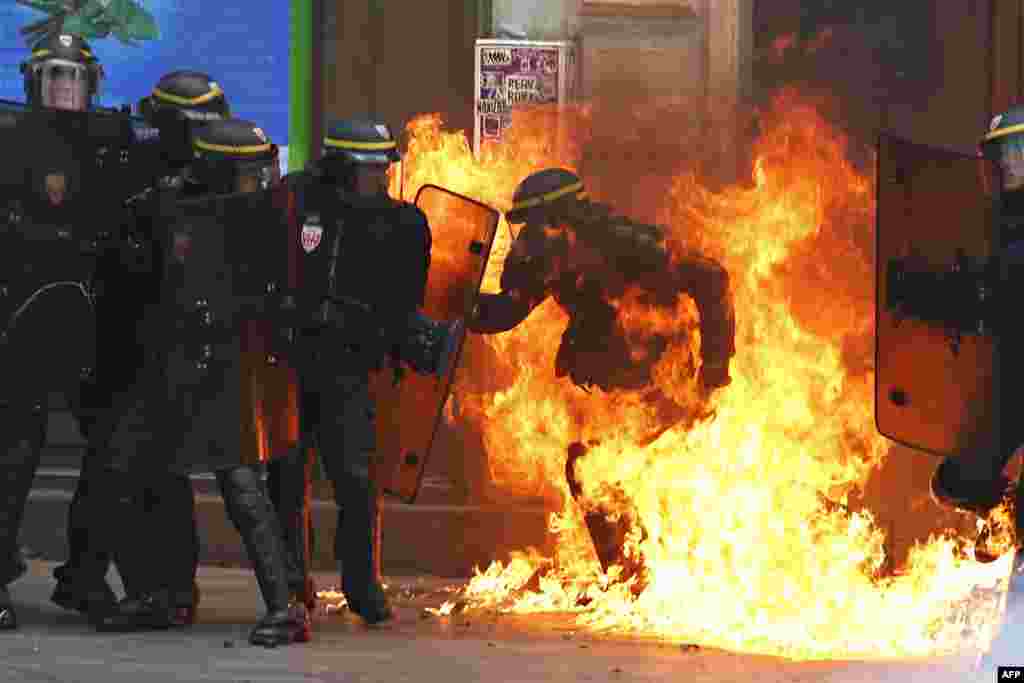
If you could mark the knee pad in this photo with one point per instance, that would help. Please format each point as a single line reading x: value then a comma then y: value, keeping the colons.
x: 244, y: 497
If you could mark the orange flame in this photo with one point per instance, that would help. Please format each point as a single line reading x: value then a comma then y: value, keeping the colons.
x: 749, y: 544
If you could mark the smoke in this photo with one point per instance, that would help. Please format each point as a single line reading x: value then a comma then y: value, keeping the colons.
x: 861, y: 58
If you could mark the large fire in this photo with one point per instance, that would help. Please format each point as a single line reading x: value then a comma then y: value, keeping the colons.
x: 750, y: 544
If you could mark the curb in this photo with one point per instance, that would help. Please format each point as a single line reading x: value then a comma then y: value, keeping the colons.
x: 432, y: 539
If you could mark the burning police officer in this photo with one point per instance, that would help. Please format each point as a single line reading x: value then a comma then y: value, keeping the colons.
x: 61, y: 73
x: 585, y: 257
x: 180, y: 101
x: 155, y: 439
x: 365, y: 264
x: 560, y: 224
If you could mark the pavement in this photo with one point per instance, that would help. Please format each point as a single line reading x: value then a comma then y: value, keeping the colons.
x: 54, y: 645
x: 441, y: 534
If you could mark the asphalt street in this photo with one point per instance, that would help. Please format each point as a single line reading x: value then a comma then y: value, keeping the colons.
x: 54, y: 645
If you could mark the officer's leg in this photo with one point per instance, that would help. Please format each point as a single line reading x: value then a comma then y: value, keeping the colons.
x: 287, y: 479
x: 159, y: 550
x: 19, y: 459
x: 975, y: 481
x: 347, y: 441
x: 174, y: 508
x: 1006, y: 645
x: 90, y: 400
x: 66, y: 593
x: 250, y: 511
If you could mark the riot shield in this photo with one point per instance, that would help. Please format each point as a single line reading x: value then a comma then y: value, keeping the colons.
x: 228, y: 388
x: 408, y: 414
x: 935, y: 361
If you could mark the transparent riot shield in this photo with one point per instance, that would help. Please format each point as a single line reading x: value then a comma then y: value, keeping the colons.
x: 229, y: 388
x: 408, y: 414
x: 936, y: 362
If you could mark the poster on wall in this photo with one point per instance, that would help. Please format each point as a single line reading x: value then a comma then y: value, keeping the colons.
x: 511, y: 73
x: 242, y: 45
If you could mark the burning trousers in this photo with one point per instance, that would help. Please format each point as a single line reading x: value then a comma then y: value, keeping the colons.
x: 608, y: 529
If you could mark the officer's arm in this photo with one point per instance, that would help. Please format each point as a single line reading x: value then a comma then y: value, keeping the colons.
x: 522, y: 290
x: 411, y: 270
x: 707, y: 282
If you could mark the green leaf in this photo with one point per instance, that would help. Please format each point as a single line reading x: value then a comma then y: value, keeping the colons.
x: 126, y: 19
x: 84, y: 27
x: 48, y: 6
x: 139, y: 23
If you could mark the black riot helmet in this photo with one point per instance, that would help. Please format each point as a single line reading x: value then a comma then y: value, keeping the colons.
x: 544, y: 194
x: 62, y: 73
x: 233, y: 155
x: 180, y: 102
x: 1003, y: 143
x: 351, y: 144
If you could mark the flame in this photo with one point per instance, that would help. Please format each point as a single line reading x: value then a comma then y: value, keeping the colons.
x: 786, y: 44
x: 747, y: 538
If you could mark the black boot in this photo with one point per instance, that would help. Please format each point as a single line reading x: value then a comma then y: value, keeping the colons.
x: 185, y: 603
x: 149, y: 612
x: 250, y: 511
x: 952, y: 487
x: 72, y: 595
x: 8, y: 619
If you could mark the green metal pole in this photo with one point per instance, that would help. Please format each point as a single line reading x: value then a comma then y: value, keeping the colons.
x: 300, y: 85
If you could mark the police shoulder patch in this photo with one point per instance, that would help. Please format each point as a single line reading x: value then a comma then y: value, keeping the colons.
x: 312, y: 233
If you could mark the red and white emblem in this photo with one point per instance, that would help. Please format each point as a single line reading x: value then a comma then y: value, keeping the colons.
x: 311, y: 235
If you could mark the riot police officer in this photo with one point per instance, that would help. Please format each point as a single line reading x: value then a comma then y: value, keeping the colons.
x: 608, y: 254
x: 61, y: 73
x: 230, y: 156
x: 976, y: 481
x: 366, y: 258
x: 180, y: 101
x: 585, y: 257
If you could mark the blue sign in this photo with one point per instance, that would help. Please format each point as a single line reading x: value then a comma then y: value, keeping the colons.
x: 242, y: 45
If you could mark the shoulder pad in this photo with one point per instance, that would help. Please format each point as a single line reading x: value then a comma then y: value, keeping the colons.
x: 296, y: 178
x: 412, y: 216
x: 411, y: 213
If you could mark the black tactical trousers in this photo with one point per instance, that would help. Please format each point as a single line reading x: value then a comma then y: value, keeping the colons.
x: 80, y: 523
x: 249, y: 508
x: 148, y: 518
x: 977, y: 469
x: 345, y: 436
x: 22, y: 434
x: 286, y: 486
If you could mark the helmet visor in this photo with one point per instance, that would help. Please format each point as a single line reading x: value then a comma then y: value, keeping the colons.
x: 64, y: 85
